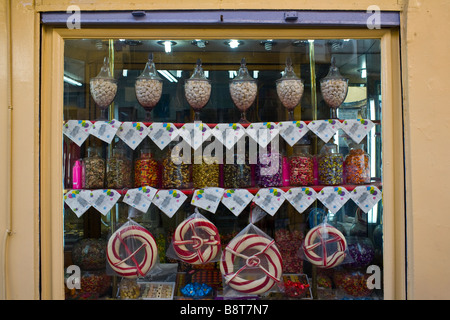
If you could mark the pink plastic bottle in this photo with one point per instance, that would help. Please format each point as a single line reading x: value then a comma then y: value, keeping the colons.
x: 76, y: 175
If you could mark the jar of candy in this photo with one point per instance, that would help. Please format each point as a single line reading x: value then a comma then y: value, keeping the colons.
x: 243, y: 90
x: 205, y: 172
x: 95, y: 283
x: 352, y: 283
x: 269, y: 169
x: 89, y: 254
x: 119, y: 169
x: 146, y: 169
x: 301, y: 166
x: 330, y: 165
x: 357, y: 165
x: 93, y: 170
x: 176, y: 172
x: 237, y: 174
x: 361, y: 251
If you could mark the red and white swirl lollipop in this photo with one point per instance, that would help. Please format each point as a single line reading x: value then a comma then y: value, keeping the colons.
x: 261, y: 266
x: 119, y: 240
x: 196, y: 241
x: 320, y: 238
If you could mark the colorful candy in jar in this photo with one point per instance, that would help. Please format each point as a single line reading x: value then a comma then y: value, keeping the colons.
x: 146, y: 170
x: 269, y: 169
x: 205, y: 172
x: 330, y: 165
x: 301, y: 166
x: 361, y: 252
x: 89, y: 254
x: 357, y: 165
x: 93, y: 171
x: 175, y: 173
x: 94, y: 283
x: 237, y: 174
x: 119, y: 170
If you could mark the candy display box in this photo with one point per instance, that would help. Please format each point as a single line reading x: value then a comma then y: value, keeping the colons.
x: 157, y: 290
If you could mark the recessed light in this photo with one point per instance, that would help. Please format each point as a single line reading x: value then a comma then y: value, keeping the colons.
x: 233, y: 43
x: 167, y: 44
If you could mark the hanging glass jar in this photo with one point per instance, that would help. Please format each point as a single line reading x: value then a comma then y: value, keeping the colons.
x: 290, y: 89
x: 93, y: 170
x: 148, y: 87
x: 119, y: 169
x: 301, y: 166
x: 103, y: 88
x: 357, y: 165
x: 330, y: 165
x: 243, y: 90
x: 197, y: 90
x: 146, y: 169
x: 176, y: 173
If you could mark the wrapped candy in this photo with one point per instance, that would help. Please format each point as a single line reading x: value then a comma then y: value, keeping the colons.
x: 251, y: 263
x: 195, y: 241
x: 90, y: 254
x: 196, y: 290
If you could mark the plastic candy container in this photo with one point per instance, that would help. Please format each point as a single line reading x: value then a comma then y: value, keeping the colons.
x: 334, y: 88
x: 330, y: 165
x: 148, y: 87
x: 175, y: 173
x: 237, y: 174
x: 301, y: 166
x: 269, y: 169
x: 119, y: 170
x: 93, y: 172
x: 146, y: 169
x: 243, y: 90
x: 103, y: 88
x: 357, y: 165
x: 205, y: 173
x: 197, y: 89
x: 90, y: 254
x: 290, y: 88
x: 361, y: 251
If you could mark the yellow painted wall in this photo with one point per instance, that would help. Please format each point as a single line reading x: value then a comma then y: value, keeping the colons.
x: 425, y: 47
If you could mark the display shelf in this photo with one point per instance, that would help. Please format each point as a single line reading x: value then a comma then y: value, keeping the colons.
x: 254, y: 190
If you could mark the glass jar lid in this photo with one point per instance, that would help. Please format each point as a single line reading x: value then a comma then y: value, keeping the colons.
x: 198, y: 73
x: 333, y: 72
x: 243, y: 74
x: 329, y: 148
x: 149, y: 72
x: 289, y: 73
x: 105, y: 71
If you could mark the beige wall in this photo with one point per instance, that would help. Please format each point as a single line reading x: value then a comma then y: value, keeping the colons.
x: 426, y: 44
x: 425, y: 47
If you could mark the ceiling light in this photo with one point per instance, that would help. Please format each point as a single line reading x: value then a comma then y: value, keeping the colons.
x: 73, y: 82
x: 166, y: 74
x: 199, y: 43
x: 168, y: 44
x: 233, y: 43
x: 268, y: 44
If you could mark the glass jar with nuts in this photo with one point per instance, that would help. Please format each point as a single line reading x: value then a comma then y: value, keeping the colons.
x: 148, y: 87
x: 93, y: 171
x: 176, y: 173
x: 119, y: 170
x: 197, y: 90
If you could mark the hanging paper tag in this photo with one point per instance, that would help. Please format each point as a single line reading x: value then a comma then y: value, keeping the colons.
x: 324, y: 129
x: 333, y: 197
x: 263, y: 132
x: 162, y: 133
x: 140, y: 198
x: 357, y: 129
x: 104, y: 200
x: 228, y: 133
x: 366, y: 197
x: 292, y: 131
x: 301, y: 198
x: 169, y: 201
x: 269, y: 199
x: 77, y: 130
x: 105, y: 130
x: 236, y: 200
x: 195, y: 133
x: 78, y: 201
x: 132, y: 133
x: 207, y: 198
